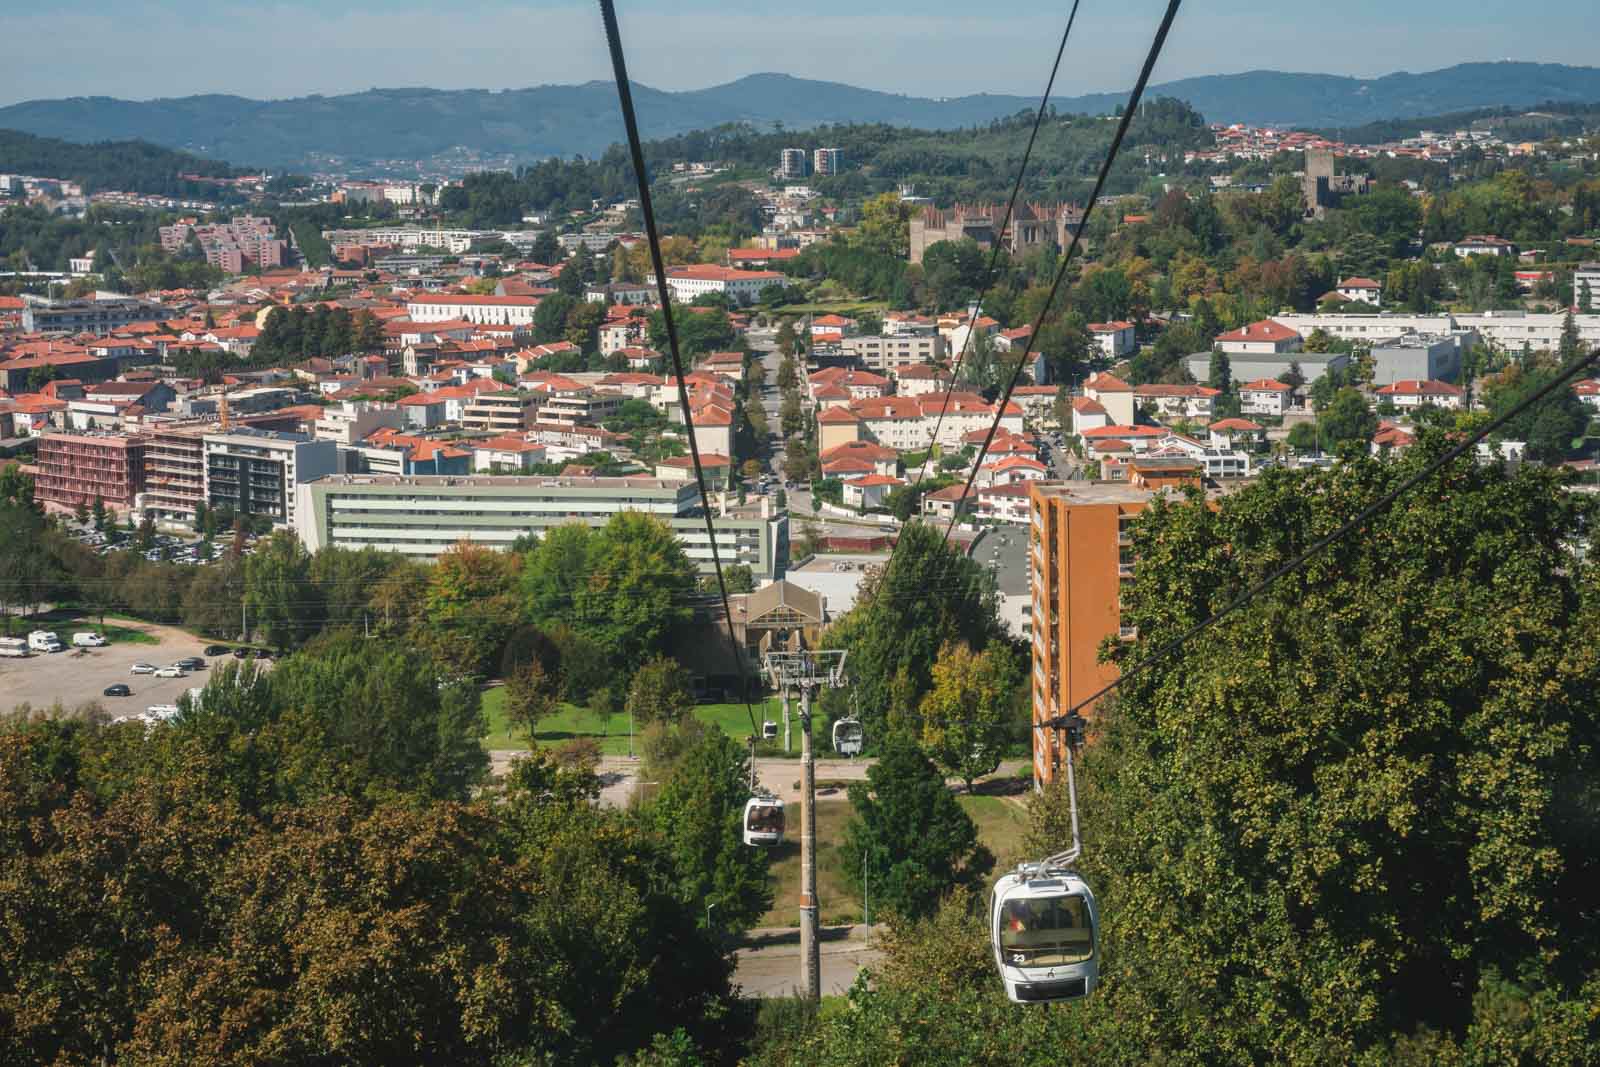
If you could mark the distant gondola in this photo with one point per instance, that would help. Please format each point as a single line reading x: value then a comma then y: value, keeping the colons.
x: 763, y: 821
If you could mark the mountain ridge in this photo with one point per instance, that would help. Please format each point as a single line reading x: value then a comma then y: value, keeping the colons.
x: 520, y: 125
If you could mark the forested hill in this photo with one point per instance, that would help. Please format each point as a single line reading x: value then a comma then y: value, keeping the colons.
x: 563, y: 120
x: 127, y: 166
x: 970, y: 164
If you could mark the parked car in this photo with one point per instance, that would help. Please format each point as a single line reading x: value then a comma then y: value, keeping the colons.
x: 85, y: 639
x: 191, y: 663
x: 217, y: 650
x: 143, y: 668
x: 172, y: 672
x: 242, y: 653
x: 118, y: 690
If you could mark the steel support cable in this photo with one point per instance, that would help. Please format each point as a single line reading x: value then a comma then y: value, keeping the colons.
x: 619, y: 68
x: 994, y: 253
x: 1560, y: 381
x: 1077, y: 236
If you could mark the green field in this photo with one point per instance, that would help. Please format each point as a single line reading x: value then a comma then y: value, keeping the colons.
x: 1000, y: 823
x: 834, y: 307
x: 64, y: 625
x: 612, y: 731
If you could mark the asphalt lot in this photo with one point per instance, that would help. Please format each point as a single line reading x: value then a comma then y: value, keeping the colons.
x: 78, y: 676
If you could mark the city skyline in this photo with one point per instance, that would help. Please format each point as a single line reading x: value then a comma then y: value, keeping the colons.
x: 128, y: 53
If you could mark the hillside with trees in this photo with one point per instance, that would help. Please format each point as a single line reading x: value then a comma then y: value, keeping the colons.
x: 125, y: 166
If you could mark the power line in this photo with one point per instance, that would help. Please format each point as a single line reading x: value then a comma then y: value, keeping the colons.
x: 619, y: 68
x: 994, y: 252
x: 1077, y: 236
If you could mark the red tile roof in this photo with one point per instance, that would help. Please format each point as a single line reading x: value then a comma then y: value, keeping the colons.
x: 1265, y: 330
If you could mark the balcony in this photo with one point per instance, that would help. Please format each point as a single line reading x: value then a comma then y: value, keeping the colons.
x: 1127, y: 633
x: 1124, y: 570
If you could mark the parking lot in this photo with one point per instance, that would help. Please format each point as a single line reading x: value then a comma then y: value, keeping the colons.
x: 79, y: 675
x: 163, y: 546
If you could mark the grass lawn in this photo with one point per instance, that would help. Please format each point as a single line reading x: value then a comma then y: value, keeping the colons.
x: 612, y: 733
x: 1000, y: 828
x: 65, y: 624
x: 838, y: 905
x: 1001, y: 825
x: 835, y: 307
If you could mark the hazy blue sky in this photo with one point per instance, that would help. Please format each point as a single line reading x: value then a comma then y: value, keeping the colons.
x: 139, y: 49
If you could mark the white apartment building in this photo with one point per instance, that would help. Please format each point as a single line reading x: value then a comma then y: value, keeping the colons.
x: 1265, y: 396
x: 513, y: 311
x: 257, y: 472
x: 1115, y: 339
x: 1587, y: 276
x: 423, y: 515
x: 698, y: 279
x: 1505, y: 330
x: 889, y: 352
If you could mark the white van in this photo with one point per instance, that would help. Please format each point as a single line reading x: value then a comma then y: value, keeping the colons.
x: 45, y: 641
x: 89, y: 640
x: 13, y: 646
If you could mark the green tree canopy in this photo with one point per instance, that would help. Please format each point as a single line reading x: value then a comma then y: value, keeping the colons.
x: 918, y: 843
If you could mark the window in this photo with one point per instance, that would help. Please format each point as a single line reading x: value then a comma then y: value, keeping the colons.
x: 1046, y: 931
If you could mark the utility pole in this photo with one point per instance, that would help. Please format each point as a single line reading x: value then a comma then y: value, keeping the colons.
x: 808, y: 671
x: 788, y: 747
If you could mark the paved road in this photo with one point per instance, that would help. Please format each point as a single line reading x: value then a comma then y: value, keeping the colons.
x: 619, y: 776
x: 769, y: 964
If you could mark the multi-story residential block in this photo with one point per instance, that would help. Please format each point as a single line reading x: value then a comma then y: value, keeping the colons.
x: 1507, y: 331
x: 698, y: 279
x: 1080, y: 557
x: 423, y: 516
x: 508, y: 411
x: 78, y: 468
x: 88, y: 315
x: 516, y: 311
x: 255, y: 472
x: 826, y: 161
x: 888, y: 353
x: 175, y: 471
x: 1586, y: 287
x: 792, y: 163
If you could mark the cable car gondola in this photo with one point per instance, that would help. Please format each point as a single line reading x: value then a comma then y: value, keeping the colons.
x: 1043, y: 922
x: 769, y: 730
x: 848, y: 738
x: 763, y: 821
x: 1045, y: 932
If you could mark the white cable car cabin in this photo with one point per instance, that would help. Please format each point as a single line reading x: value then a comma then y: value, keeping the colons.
x: 763, y: 821
x: 1046, y: 935
x: 769, y: 730
x: 848, y: 737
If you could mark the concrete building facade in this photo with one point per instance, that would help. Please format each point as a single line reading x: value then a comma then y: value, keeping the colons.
x: 423, y: 516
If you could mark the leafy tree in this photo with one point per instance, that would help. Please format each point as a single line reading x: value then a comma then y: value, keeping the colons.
x: 964, y: 714
x: 1550, y: 427
x: 897, y: 627
x: 918, y: 843
x: 281, y: 603
x: 469, y: 606
x: 1303, y: 437
x: 530, y: 695
x: 1347, y: 419
x: 1247, y: 844
x: 661, y: 691
x: 699, y: 813
x: 1220, y: 374
x: 1294, y: 377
